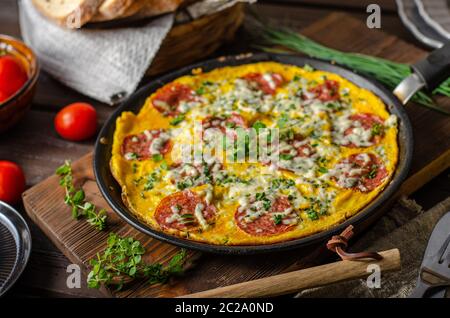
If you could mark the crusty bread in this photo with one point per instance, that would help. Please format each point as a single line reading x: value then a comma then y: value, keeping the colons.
x: 114, y: 8
x: 135, y: 6
x: 143, y: 9
x: 68, y: 13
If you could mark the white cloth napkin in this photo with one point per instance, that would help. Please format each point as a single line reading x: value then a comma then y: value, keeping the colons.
x: 106, y: 65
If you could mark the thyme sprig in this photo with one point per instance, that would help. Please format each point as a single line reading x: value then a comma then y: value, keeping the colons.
x: 75, y: 198
x: 122, y: 261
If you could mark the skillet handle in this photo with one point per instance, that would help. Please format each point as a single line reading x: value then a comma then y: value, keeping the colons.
x: 435, y: 68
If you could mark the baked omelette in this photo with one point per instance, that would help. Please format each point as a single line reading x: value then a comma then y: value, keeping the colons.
x: 188, y: 165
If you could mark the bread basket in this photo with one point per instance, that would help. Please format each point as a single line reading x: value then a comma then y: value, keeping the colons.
x: 196, y: 39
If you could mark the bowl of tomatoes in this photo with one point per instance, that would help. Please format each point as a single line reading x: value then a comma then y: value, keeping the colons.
x: 19, y: 71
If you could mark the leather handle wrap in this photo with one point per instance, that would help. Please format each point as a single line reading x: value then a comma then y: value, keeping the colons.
x: 339, y: 243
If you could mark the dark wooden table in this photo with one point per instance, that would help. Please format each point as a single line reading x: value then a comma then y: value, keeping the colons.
x: 36, y: 147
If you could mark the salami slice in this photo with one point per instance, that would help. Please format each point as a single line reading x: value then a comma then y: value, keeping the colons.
x: 363, y: 172
x: 146, y: 144
x: 279, y: 219
x: 224, y: 124
x: 289, y: 150
x: 168, y: 98
x: 327, y: 92
x: 184, y: 210
x: 268, y: 82
x: 365, y: 126
x: 297, y: 147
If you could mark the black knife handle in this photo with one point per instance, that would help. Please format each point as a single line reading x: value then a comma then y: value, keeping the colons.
x: 435, y: 68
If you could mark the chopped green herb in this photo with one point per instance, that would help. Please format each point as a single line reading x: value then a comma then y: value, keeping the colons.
x: 164, y: 165
x: 177, y: 120
x: 377, y: 129
x: 281, y: 183
x: 373, y: 172
x: 133, y: 156
x: 200, y: 90
x: 182, y: 185
x: 157, y: 157
x: 323, y: 170
x: 312, y: 214
x: 230, y: 124
x: 277, y: 218
x: 286, y: 156
x: 267, y: 204
x: 260, y: 195
x: 259, y: 125
x: 282, y: 121
x: 151, y: 179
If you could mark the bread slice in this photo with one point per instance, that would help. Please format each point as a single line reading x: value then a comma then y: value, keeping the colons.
x: 114, y: 8
x: 68, y: 13
x: 143, y: 9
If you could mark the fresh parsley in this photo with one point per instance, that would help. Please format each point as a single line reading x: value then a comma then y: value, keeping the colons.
x: 277, y: 218
x: 286, y: 156
x: 377, y: 129
x: 177, y: 120
x: 323, y: 170
x: 150, y: 181
x: 157, y: 157
x: 75, y: 198
x: 282, y: 121
x: 373, y: 172
x: 259, y: 125
x: 312, y: 214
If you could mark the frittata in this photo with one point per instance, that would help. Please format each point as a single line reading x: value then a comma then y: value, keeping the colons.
x: 254, y: 154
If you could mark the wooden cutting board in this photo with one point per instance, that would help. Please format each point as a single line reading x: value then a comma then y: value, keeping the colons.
x: 80, y: 242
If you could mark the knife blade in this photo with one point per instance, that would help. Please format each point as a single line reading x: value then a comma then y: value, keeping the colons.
x: 434, y: 273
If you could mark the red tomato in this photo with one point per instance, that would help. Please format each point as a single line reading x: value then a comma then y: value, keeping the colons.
x: 12, y: 76
x: 12, y: 182
x: 76, y: 122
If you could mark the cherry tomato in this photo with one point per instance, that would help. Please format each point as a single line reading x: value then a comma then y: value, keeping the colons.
x: 76, y: 122
x: 12, y: 182
x: 12, y: 76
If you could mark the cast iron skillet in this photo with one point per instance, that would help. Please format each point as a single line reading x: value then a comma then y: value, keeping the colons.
x: 112, y: 191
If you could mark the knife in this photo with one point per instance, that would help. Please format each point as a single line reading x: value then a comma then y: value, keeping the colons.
x: 428, y: 73
x: 434, y: 273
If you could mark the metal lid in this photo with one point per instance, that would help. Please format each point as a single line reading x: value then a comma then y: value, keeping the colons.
x: 15, y: 246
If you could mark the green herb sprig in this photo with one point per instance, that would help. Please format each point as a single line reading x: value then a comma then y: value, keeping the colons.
x: 75, y: 198
x: 122, y: 261
x: 387, y: 72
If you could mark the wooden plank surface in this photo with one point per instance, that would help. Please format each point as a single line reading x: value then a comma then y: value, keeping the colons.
x: 46, y: 274
x: 80, y: 242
